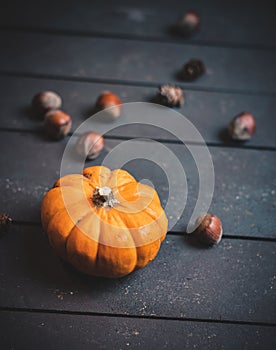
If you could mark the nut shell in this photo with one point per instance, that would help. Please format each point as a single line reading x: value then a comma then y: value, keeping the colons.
x: 192, y: 70
x: 90, y: 145
x: 209, y: 229
x: 111, y: 102
x: 46, y: 101
x: 170, y: 95
x: 188, y: 23
x: 242, y: 127
x: 57, y: 124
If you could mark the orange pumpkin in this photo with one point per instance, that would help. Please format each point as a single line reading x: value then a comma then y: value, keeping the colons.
x: 104, y: 222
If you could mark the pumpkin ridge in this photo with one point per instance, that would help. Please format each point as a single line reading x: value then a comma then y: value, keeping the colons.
x: 106, y: 248
x: 59, y: 193
x: 76, y: 225
x: 60, y: 234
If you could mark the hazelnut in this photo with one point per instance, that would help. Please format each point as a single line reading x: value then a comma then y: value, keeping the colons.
x: 242, y: 127
x: 57, y: 124
x: 90, y: 145
x: 170, y: 95
x: 188, y: 23
x: 46, y: 101
x: 209, y: 229
x: 192, y: 69
x: 107, y: 100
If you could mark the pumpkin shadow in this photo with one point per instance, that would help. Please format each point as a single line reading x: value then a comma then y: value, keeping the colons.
x: 49, y: 274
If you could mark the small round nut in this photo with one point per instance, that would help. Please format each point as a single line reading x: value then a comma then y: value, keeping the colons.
x: 110, y: 103
x: 242, y: 127
x: 170, y: 95
x: 208, y: 229
x: 90, y: 145
x: 46, y: 101
x: 57, y: 124
x: 188, y: 23
x: 192, y: 70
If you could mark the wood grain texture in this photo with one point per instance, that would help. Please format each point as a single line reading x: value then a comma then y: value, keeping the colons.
x: 233, y: 281
x: 239, y: 70
x: 236, y: 23
x: 86, y: 332
x: 244, y: 196
x: 210, y: 112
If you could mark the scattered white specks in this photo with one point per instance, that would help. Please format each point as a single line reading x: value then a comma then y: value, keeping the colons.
x: 127, y: 290
x: 144, y: 307
x: 211, y: 336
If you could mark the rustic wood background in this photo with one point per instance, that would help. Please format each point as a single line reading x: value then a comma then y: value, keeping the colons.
x: 189, y: 297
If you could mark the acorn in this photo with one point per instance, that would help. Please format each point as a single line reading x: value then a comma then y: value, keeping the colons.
x: 46, y: 101
x: 170, y: 95
x: 109, y: 102
x: 242, y: 127
x: 188, y: 24
x: 192, y: 70
x: 90, y: 145
x: 57, y: 124
x: 208, y: 229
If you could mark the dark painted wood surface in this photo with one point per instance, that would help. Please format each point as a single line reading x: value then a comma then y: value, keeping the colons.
x: 239, y: 70
x: 244, y: 196
x: 210, y: 112
x: 94, y: 332
x: 184, y: 281
x: 223, y: 23
x: 190, y: 296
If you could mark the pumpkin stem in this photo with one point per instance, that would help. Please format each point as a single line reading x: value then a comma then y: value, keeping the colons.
x: 103, y: 197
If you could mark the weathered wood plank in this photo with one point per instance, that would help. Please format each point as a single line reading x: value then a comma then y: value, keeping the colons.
x: 235, y: 23
x: 209, y: 112
x: 245, y: 180
x: 239, y: 70
x: 233, y: 281
x: 55, y: 331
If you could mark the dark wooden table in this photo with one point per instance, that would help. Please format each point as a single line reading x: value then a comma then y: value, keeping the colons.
x: 189, y: 297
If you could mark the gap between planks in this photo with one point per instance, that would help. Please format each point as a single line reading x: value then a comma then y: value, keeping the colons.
x: 152, y: 317
x: 171, y: 233
x: 133, y: 83
x: 175, y: 142
x: 138, y: 37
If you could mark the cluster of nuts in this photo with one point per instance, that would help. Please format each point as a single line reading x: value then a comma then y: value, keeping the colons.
x: 58, y: 124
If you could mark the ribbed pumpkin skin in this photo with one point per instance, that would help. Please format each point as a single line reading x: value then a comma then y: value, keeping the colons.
x: 110, y: 242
